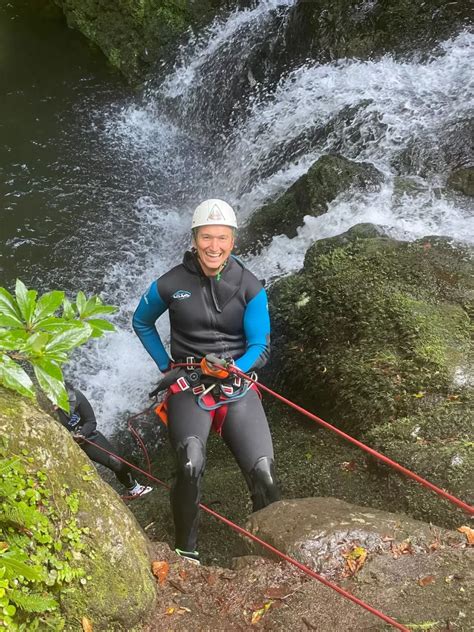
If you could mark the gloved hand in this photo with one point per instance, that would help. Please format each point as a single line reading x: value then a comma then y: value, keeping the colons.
x: 78, y: 437
x: 214, y: 370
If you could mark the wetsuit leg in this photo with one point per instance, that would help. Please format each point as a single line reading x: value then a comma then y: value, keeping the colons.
x: 188, y: 428
x: 121, y: 470
x: 247, y: 434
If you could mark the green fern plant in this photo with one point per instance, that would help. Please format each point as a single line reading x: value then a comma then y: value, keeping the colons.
x: 40, y: 550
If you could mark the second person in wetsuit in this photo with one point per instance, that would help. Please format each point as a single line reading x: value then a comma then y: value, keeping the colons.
x: 216, y: 306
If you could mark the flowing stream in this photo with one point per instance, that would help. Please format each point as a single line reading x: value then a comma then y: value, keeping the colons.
x: 99, y: 184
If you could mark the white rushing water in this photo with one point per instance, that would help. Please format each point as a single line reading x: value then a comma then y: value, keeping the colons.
x: 396, y: 104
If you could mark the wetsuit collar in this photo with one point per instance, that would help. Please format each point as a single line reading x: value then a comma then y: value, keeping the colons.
x: 227, y: 286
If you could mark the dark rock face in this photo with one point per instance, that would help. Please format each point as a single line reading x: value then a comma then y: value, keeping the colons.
x: 462, y: 180
x: 329, y: 30
x: 310, y: 195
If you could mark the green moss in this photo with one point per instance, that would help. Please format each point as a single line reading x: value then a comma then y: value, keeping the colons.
x: 115, y: 547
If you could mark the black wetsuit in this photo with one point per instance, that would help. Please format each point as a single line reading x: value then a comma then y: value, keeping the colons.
x: 82, y: 421
x: 226, y: 316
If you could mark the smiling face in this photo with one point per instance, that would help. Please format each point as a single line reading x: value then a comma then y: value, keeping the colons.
x: 214, y: 245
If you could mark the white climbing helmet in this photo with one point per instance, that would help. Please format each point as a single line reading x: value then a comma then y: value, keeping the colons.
x: 212, y: 212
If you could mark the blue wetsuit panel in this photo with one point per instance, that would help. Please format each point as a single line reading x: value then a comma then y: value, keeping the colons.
x: 257, y: 333
x: 150, y: 308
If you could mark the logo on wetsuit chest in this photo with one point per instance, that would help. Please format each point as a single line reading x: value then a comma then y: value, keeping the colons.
x: 181, y: 294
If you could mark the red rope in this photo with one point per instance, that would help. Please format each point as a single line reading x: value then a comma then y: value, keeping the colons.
x: 271, y: 548
x: 378, y: 455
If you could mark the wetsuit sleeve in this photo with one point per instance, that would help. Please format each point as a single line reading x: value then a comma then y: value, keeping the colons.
x: 150, y: 308
x: 257, y: 333
x: 84, y: 409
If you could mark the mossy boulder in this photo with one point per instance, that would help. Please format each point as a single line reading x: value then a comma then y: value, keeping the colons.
x: 374, y: 335
x: 116, y: 548
x: 380, y: 326
x: 462, y: 180
x: 328, y: 177
x: 133, y: 34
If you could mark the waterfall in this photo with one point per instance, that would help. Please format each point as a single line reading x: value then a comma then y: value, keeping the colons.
x: 189, y: 138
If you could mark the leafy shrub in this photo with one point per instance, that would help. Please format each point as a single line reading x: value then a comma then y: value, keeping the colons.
x: 42, y: 333
x: 40, y: 547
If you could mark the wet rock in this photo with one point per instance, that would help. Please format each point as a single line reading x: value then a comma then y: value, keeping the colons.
x: 319, y: 531
x: 448, y: 149
x: 410, y: 570
x: 116, y: 548
x: 462, y: 180
x: 350, y: 28
x: 330, y: 176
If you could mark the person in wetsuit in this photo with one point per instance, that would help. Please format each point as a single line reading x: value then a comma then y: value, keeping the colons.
x: 81, y: 423
x: 216, y: 306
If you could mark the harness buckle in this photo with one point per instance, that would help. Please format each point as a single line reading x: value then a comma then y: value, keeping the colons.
x: 189, y: 363
x: 182, y: 383
x: 227, y: 390
x: 197, y: 390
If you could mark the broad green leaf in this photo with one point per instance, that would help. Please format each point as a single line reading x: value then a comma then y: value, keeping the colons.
x: 11, y: 560
x: 99, y: 326
x: 50, y: 378
x: 100, y: 310
x: 60, y: 357
x: 26, y: 300
x: 69, y: 311
x: 12, y: 339
x: 70, y: 338
x: 81, y: 303
x: 37, y: 342
x: 47, y: 305
x: 10, y: 321
x: 9, y: 309
x: 56, y: 325
x: 14, y: 377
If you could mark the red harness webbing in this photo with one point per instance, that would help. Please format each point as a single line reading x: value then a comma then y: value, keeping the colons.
x: 218, y: 415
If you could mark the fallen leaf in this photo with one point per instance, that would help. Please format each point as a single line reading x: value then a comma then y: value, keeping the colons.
x: 182, y: 610
x: 469, y: 533
x: 258, y: 614
x: 434, y: 546
x: 170, y: 611
x: 348, y: 466
x: 420, y: 394
x: 87, y: 624
x: 160, y: 571
x: 355, y: 559
x: 387, y: 538
x: 403, y: 548
x: 424, y: 581
x: 183, y: 574
x: 277, y: 592
x: 211, y: 579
